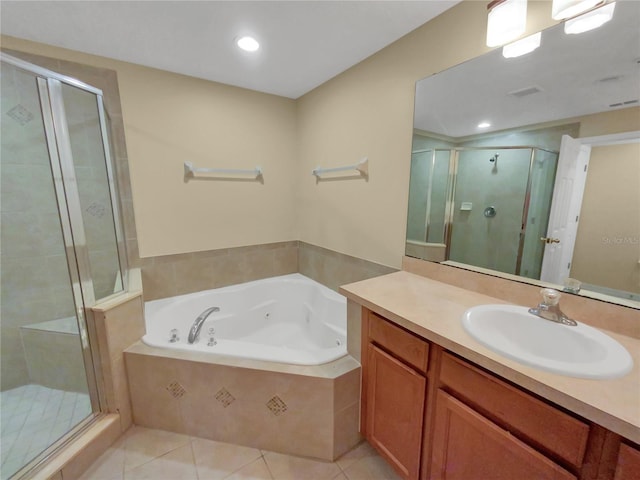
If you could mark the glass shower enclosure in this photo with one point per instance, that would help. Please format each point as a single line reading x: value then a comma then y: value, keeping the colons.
x: 481, y: 206
x: 61, y: 251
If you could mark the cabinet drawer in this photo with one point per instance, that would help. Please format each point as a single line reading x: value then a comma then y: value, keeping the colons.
x: 402, y: 344
x: 541, y: 425
x: 468, y: 446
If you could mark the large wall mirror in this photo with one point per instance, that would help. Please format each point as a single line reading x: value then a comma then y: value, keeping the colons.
x: 515, y: 169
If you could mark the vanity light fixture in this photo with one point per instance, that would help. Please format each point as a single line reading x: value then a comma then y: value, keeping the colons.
x: 561, y: 9
x: 247, y: 43
x: 506, y: 21
x: 522, y: 46
x: 484, y: 125
x: 590, y: 20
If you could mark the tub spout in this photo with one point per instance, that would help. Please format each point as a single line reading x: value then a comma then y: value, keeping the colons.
x: 197, y: 325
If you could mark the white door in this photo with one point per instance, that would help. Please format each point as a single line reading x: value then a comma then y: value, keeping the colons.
x: 565, y: 209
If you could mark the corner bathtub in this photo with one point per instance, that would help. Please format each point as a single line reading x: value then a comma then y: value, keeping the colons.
x: 288, y: 319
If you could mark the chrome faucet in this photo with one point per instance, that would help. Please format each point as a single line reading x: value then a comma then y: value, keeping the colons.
x: 549, y: 308
x: 197, y: 325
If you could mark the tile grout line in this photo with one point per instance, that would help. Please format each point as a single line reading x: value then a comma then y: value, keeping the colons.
x: 156, y: 457
x: 264, y: 460
x: 193, y: 457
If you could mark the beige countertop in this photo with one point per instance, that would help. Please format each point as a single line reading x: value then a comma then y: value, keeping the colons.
x: 433, y: 310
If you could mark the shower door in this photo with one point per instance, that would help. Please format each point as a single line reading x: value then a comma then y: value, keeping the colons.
x: 490, y: 198
x: 60, y: 237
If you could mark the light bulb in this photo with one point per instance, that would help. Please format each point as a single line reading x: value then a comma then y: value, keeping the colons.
x: 506, y: 21
x: 590, y: 20
x: 248, y: 44
x: 523, y: 46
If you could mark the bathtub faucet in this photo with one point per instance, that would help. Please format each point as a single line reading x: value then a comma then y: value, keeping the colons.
x: 197, y: 325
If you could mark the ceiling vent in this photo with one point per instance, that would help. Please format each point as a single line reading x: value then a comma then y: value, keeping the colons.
x: 523, y: 92
x: 612, y: 78
x: 624, y: 104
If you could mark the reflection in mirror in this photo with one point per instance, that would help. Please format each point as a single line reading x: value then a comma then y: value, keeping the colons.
x: 529, y: 194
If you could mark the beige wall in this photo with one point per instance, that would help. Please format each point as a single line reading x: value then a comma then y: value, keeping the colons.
x: 607, y: 248
x: 368, y: 110
x: 606, y: 123
x: 172, y: 118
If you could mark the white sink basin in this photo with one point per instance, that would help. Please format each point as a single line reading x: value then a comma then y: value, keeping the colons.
x: 579, y: 351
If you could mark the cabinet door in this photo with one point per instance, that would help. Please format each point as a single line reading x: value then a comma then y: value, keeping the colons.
x: 395, y: 408
x: 628, y: 467
x: 468, y: 446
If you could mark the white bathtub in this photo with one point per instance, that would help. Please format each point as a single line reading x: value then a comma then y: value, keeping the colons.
x: 289, y: 319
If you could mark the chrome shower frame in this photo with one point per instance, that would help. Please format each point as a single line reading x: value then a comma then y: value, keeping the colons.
x: 49, y: 85
x: 451, y: 191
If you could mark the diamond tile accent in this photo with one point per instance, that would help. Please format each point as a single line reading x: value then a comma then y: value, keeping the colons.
x: 224, y: 397
x: 176, y: 390
x: 20, y: 114
x: 276, y: 405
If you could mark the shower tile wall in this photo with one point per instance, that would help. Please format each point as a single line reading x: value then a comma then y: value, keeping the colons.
x: 489, y: 242
x: 33, y: 256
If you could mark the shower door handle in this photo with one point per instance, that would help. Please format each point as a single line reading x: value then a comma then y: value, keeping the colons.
x: 549, y: 240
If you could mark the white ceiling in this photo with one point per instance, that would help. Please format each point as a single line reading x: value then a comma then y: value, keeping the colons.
x: 303, y: 43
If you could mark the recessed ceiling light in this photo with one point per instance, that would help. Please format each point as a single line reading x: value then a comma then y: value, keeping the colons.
x: 484, y: 125
x: 248, y: 44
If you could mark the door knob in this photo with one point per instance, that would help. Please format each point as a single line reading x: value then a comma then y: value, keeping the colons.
x: 548, y: 240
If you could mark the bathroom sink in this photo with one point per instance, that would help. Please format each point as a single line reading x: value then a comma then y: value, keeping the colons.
x: 577, y: 351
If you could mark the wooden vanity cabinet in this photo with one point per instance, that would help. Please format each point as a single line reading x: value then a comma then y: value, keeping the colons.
x: 394, y: 379
x: 434, y: 415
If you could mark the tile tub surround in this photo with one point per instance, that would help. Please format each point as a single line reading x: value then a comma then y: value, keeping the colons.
x: 118, y: 324
x: 333, y: 269
x: 151, y: 453
x: 172, y: 275
x: 297, y: 410
x: 433, y: 310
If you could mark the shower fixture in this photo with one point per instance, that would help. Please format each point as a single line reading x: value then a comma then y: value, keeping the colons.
x: 494, y: 158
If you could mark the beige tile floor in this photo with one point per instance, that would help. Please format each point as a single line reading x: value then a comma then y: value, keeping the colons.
x: 144, y: 453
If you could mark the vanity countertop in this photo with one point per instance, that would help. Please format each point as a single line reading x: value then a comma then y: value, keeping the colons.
x: 433, y: 310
